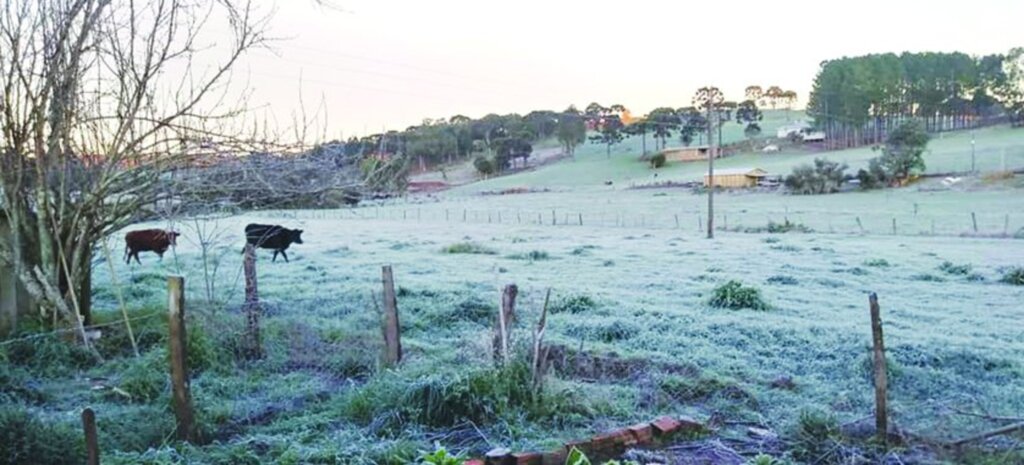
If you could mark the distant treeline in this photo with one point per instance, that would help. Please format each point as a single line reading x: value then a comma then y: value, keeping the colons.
x: 858, y: 100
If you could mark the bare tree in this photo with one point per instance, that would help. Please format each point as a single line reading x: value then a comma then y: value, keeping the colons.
x: 101, y: 99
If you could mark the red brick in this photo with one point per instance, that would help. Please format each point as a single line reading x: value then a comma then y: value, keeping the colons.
x: 527, y: 458
x: 474, y: 462
x: 642, y: 433
x: 664, y: 426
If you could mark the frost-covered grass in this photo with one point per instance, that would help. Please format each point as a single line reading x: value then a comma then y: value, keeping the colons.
x: 641, y: 293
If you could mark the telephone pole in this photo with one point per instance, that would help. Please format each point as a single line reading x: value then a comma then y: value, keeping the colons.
x: 711, y: 115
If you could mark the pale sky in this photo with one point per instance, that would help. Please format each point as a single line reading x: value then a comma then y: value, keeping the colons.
x: 389, y: 64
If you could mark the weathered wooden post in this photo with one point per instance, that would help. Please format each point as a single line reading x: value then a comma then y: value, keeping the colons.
x: 553, y: 219
x: 677, y: 220
x: 506, y: 317
x: 700, y: 224
x: 1006, y: 225
x: 881, y: 380
x: 392, y: 331
x: 181, y: 397
x: 974, y: 221
x: 92, y: 447
x: 253, y: 342
x: 581, y: 219
x: 464, y: 215
x: 894, y: 226
x: 860, y: 225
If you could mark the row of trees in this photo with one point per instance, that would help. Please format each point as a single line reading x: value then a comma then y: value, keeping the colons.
x: 858, y: 100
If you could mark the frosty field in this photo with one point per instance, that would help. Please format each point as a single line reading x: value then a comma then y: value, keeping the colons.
x: 634, y: 294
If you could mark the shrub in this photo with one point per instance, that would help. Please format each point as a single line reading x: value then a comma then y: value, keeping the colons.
x: 47, y: 356
x: 658, y: 160
x: 468, y: 248
x: 26, y: 439
x: 954, y: 269
x: 902, y: 157
x: 817, y: 435
x: 1014, y: 276
x: 824, y: 177
x: 483, y: 165
x: 734, y: 295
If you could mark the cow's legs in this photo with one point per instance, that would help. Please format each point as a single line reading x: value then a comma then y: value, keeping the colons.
x: 285, y: 254
x: 275, y: 256
x: 136, y: 254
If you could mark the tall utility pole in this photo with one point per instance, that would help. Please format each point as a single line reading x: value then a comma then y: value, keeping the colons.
x: 710, y: 99
x: 711, y: 115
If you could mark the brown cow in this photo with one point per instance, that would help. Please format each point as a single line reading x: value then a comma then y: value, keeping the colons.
x: 148, y: 240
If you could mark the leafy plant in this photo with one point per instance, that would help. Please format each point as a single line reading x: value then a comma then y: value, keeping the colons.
x: 440, y: 456
x: 736, y: 296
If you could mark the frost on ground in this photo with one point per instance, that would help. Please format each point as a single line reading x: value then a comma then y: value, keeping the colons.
x: 635, y: 295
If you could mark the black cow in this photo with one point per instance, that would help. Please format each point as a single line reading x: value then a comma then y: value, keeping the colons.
x: 274, y: 237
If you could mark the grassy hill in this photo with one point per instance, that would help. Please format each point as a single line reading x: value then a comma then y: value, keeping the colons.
x: 947, y: 152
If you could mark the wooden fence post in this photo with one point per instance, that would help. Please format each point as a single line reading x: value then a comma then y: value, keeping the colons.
x: 506, y: 317
x: 860, y: 225
x: 581, y: 219
x: 92, y: 447
x: 881, y: 380
x: 253, y: 342
x: 463, y: 215
x: 894, y: 226
x: 677, y: 220
x: 182, y: 398
x: 974, y: 221
x: 553, y: 219
x: 1006, y: 225
x: 392, y: 331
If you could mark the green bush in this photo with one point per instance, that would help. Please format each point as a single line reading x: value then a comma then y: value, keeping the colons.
x: 484, y: 165
x: 824, y: 177
x: 468, y: 248
x: 24, y: 439
x: 1014, y: 276
x: 658, y: 160
x: 735, y: 295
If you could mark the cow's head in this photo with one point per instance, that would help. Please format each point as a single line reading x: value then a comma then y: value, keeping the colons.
x: 297, y: 236
x: 172, y: 237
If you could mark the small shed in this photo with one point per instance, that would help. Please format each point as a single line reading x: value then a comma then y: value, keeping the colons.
x: 737, y: 177
x: 697, y: 153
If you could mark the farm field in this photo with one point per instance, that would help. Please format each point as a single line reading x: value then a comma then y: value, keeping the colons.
x: 996, y: 148
x: 640, y: 293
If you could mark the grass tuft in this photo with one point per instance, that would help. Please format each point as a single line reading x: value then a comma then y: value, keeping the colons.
x: 468, y: 248
x: 734, y: 295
